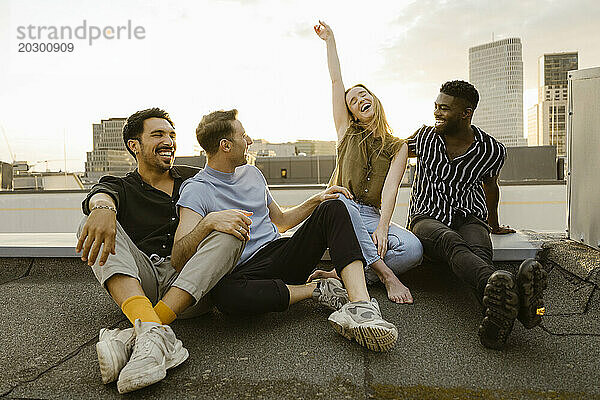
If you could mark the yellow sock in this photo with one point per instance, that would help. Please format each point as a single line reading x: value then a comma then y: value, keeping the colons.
x: 139, y: 307
x: 165, y: 313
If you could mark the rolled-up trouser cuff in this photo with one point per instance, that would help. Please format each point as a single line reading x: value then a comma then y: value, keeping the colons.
x: 284, y: 295
x: 128, y: 260
x: 342, y: 262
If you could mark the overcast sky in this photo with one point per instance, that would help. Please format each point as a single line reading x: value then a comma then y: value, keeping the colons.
x: 261, y: 57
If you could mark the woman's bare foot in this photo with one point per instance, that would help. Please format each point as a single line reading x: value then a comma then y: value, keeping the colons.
x: 396, y: 291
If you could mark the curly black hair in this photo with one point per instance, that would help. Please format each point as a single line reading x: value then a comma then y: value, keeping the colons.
x: 213, y: 127
x: 463, y: 90
x: 134, y: 126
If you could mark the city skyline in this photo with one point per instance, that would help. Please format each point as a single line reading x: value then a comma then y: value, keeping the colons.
x: 265, y: 61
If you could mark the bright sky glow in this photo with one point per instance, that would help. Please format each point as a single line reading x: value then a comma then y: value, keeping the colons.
x: 261, y: 57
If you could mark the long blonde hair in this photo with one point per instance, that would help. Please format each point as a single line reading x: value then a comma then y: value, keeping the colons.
x: 378, y: 123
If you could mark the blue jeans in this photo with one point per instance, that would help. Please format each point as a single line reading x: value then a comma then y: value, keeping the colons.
x: 404, y: 249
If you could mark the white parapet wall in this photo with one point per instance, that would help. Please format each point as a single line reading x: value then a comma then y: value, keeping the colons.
x: 535, y: 206
x: 583, y: 148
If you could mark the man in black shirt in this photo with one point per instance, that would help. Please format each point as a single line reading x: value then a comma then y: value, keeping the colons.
x: 454, y: 207
x: 127, y: 239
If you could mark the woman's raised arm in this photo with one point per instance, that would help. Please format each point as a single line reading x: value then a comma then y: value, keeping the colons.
x: 340, y: 112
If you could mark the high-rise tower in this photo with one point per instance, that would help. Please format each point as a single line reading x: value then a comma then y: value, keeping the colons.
x: 551, y: 119
x: 496, y: 70
x: 109, y: 156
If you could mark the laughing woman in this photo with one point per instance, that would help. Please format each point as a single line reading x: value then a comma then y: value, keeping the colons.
x: 371, y: 163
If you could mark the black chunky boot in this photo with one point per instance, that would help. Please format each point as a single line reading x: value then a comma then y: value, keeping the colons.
x: 501, y: 303
x: 532, y: 280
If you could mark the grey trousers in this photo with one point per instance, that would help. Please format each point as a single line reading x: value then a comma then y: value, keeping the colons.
x: 215, y: 257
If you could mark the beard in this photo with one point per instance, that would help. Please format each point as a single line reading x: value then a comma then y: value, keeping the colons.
x: 448, y: 128
x: 152, y: 159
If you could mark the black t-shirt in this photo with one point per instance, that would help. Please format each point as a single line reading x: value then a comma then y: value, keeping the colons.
x: 147, y: 214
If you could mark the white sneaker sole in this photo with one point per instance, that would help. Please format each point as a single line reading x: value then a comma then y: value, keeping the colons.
x: 373, y: 337
x: 142, y: 379
x: 108, y: 362
x: 152, y: 375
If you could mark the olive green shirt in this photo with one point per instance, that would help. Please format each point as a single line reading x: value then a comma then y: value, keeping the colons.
x: 362, y: 165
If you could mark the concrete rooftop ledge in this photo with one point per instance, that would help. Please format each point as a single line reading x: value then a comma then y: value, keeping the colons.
x: 38, y: 245
x: 513, y: 247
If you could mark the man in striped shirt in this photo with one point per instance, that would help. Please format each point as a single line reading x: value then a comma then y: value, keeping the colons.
x: 454, y: 207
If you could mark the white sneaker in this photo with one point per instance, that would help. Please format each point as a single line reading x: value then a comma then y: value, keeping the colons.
x: 331, y: 293
x: 114, y: 349
x: 156, y: 349
x: 362, y: 321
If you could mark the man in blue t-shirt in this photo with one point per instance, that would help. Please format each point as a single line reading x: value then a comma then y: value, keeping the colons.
x: 272, y: 271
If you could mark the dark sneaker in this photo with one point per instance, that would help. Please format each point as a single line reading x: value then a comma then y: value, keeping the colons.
x: 501, y: 303
x: 362, y: 321
x: 330, y: 293
x: 532, y: 280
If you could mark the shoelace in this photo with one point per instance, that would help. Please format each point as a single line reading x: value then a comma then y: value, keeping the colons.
x: 151, y: 338
x: 337, y: 302
x: 329, y: 299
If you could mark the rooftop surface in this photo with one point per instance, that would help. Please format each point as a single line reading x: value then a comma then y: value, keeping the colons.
x: 52, y: 310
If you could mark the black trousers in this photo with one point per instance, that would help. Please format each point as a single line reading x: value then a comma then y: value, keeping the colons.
x: 465, y: 246
x: 259, y: 285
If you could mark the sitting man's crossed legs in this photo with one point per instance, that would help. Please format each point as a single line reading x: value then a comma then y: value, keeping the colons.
x: 274, y: 278
x: 140, y: 356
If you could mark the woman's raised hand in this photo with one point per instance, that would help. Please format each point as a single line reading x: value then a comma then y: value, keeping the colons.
x: 323, y: 30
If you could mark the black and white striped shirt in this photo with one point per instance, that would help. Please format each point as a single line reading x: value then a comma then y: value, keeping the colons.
x: 444, y: 188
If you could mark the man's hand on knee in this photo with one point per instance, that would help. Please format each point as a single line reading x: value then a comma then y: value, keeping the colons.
x: 233, y: 222
x: 99, y: 230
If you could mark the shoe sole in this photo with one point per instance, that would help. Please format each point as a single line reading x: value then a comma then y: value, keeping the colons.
x: 374, y: 338
x: 532, y: 281
x: 488, y: 321
x: 178, y: 358
x: 498, y: 313
x: 138, y: 381
x: 153, y: 375
x: 107, y: 361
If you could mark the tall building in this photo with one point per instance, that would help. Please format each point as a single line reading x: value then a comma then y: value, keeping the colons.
x: 551, y: 118
x: 496, y: 70
x: 109, y: 155
x: 6, y: 176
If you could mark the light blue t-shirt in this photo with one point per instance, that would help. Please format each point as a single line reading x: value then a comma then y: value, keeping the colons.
x: 244, y: 189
